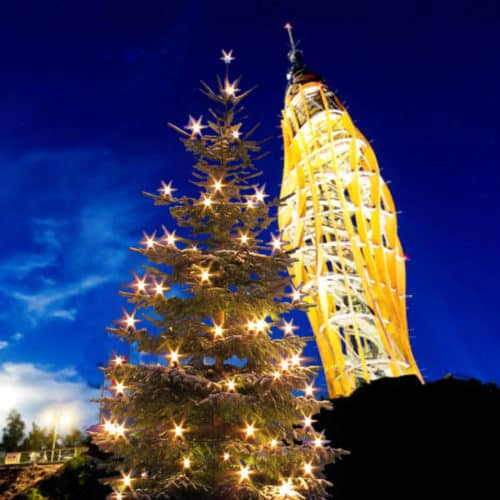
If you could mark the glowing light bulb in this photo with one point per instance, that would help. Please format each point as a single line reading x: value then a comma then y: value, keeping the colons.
x: 251, y: 325
x: 195, y: 126
x: 295, y: 360
x: 261, y: 325
x: 276, y: 243
x: 308, y: 421
x: 318, y: 442
x: 230, y: 89
x: 166, y: 189
x: 308, y: 469
x: 170, y: 238
x: 296, y: 295
x: 119, y: 388
x: 159, y: 288
x: 118, y: 495
x: 235, y: 134
x: 141, y: 285
x: 288, y: 327
x: 207, y: 202
x: 218, y: 185
x: 149, y: 241
x: 127, y: 480
x: 119, y: 430
x: 186, y: 463
x: 205, y: 275
x: 276, y: 374
x: 129, y: 320
x: 273, y: 443
x: 174, y: 357
x: 118, y: 360
x: 178, y: 430
x: 244, y: 472
x: 284, y: 365
x: 309, y: 390
x: 227, y: 57
x: 286, y: 489
x: 260, y: 194
x: 244, y: 239
x: 226, y: 456
x: 250, y: 203
x: 218, y: 331
x: 231, y: 385
x: 250, y: 430
x: 109, y: 427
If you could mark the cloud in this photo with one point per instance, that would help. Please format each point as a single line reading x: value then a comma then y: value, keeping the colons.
x: 35, y: 391
x: 3, y: 344
x: 68, y: 314
x: 17, y: 336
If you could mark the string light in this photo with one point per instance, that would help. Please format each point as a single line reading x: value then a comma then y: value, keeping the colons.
x: 170, y: 238
x: 244, y: 239
x: 166, y: 189
x: 178, y: 431
x: 308, y: 468
x: 318, y: 442
x: 251, y: 325
x: 118, y: 360
x: 195, y: 126
x: 286, y: 489
x: 159, y: 288
x: 276, y: 374
x: 261, y: 325
x: 231, y: 385
x: 273, y: 443
x: 205, y: 275
x: 260, y: 194
x: 309, y: 390
x: 118, y: 495
x: 186, y: 462
x: 218, y: 331
x: 276, y: 243
x: 295, y: 360
x: 308, y: 421
x: 227, y: 57
x: 119, y: 388
x: 235, y: 134
x: 230, y: 88
x: 244, y: 472
x: 250, y: 202
x: 250, y: 430
x: 288, y: 327
x: 174, y: 357
x: 129, y: 319
x: 149, y: 241
x: 296, y: 295
x: 226, y: 456
x: 207, y: 202
x: 284, y: 365
x: 218, y: 185
x: 119, y: 430
x: 140, y: 284
x: 127, y: 480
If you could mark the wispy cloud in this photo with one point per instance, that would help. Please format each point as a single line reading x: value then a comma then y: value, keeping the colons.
x: 34, y: 390
x: 3, y: 344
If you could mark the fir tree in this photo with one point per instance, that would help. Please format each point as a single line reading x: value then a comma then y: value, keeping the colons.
x: 13, y: 432
x: 226, y: 413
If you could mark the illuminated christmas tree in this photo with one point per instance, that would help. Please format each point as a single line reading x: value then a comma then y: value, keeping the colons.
x: 339, y: 217
x: 214, y: 415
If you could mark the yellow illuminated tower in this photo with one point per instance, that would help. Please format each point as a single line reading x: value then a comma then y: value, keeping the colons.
x: 338, y: 216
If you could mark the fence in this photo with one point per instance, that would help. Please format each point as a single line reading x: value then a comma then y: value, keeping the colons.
x: 40, y: 457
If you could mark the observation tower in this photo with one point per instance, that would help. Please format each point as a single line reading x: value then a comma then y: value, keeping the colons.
x: 339, y: 218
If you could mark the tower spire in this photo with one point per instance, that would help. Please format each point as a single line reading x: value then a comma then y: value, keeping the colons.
x: 294, y: 54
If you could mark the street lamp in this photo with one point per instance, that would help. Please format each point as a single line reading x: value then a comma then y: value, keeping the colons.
x: 64, y: 419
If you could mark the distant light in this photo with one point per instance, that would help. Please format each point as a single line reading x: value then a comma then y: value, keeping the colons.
x: 227, y: 57
x: 186, y: 463
x: 244, y: 472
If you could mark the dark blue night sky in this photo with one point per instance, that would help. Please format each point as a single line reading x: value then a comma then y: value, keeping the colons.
x: 87, y: 88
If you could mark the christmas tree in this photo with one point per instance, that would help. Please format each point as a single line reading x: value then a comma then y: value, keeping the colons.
x: 225, y: 411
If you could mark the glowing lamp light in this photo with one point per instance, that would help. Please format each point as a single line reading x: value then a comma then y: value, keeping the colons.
x: 288, y: 327
x: 186, y: 462
x: 296, y: 295
x: 119, y: 430
x: 308, y: 421
x: 207, y: 202
x: 295, y: 360
x: 250, y: 203
x: 250, y: 430
x: 218, y: 185
x: 260, y: 195
x: 261, y: 325
x: 251, y: 325
x: 273, y: 443
x: 285, y: 365
x: 231, y: 385
x: 226, y: 456
x: 119, y: 388
x: 244, y: 472
x: 244, y: 239
x: 149, y: 241
x: 276, y: 374
x: 318, y: 442
x: 230, y: 89
x: 118, y: 495
x: 235, y: 134
x: 276, y: 243
x: 308, y: 468
x: 129, y: 320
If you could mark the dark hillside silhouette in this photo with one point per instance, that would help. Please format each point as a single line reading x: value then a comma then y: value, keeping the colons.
x: 435, y: 441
